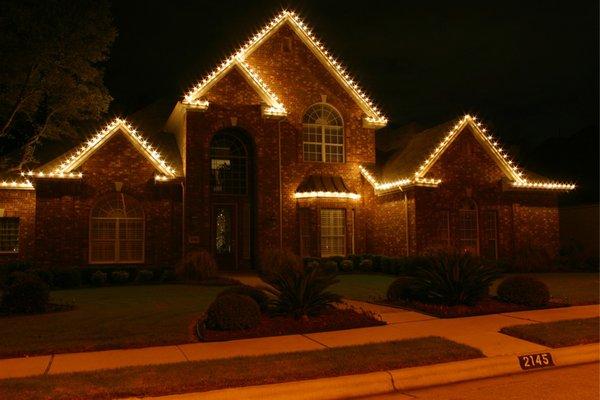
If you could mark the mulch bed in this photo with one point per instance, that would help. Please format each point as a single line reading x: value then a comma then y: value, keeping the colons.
x: 330, y: 320
x: 489, y: 305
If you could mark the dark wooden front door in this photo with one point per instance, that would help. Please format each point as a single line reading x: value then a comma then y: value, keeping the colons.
x: 225, y: 235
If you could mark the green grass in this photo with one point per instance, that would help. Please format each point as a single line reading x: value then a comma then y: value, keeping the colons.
x: 111, y: 317
x: 573, y: 288
x: 559, y: 333
x: 234, y: 372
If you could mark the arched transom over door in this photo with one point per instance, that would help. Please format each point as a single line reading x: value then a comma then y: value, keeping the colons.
x: 116, y: 230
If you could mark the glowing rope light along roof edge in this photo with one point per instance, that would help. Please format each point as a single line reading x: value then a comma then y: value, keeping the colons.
x: 331, y: 195
x: 374, y: 116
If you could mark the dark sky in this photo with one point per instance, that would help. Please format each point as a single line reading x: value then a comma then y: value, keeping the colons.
x: 529, y: 68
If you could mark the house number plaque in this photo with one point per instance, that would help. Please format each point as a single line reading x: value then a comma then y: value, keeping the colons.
x: 533, y: 361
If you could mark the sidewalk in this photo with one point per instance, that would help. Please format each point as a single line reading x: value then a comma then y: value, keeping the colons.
x: 480, y: 332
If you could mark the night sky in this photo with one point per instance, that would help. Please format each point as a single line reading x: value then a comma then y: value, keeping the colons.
x: 528, y: 68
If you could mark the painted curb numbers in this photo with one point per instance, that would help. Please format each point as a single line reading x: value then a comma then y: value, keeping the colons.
x: 533, y: 361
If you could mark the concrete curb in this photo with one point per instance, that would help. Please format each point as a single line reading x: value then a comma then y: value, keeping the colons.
x: 376, y: 383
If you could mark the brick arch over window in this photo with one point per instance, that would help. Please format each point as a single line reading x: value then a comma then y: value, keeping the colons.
x: 117, y: 229
x: 323, y: 134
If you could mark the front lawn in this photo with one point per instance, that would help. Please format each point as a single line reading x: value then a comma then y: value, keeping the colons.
x: 110, y: 317
x: 573, y: 288
x: 244, y: 371
x: 559, y: 333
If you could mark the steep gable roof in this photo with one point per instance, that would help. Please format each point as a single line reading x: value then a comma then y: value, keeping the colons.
x: 65, y: 166
x: 410, y: 164
x: 193, y: 98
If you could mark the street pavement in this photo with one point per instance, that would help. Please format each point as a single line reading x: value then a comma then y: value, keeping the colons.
x: 579, y: 382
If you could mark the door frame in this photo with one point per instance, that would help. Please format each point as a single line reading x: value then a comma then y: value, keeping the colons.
x: 234, y: 232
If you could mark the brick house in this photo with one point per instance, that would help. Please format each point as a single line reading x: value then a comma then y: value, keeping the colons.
x: 274, y: 148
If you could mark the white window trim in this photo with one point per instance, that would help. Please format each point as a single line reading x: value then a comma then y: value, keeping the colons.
x: 322, y: 143
x: 18, y: 236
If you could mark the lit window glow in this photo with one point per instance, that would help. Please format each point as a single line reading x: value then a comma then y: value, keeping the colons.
x: 331, y: 195
x: 193, y: 98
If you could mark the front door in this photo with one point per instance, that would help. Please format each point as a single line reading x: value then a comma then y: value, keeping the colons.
x: 224, y: 234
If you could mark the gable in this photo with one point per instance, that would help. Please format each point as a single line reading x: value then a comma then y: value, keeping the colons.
x: 373, y: 117
x: 232, y: 88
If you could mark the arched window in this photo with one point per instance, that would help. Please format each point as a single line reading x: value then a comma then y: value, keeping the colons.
x: 468, y: 232
x: 323, y: 134
x: 228, y: 165
x: 117, y: 230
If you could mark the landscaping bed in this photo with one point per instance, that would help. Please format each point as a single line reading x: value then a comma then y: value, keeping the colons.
x: 330, y: 320
x: 489, y: 305
x: 558, y: 333
x: 201, y: 376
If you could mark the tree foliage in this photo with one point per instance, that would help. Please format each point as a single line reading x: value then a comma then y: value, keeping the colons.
x: 51, y: 76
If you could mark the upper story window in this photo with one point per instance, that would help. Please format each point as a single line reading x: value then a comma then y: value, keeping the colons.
x: 9, y: 235
x: 117, y: 230
x: 323, y: 134
x: 228, y: 165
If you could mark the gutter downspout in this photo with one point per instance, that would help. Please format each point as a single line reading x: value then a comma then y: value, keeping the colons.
x: 406, y: 223
x: 182, y: 220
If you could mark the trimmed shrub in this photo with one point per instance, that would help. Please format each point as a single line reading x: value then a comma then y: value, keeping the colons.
x: 346, y: 266
x: 258, y: 295
x: 302, y: 293
x: 168, y: 275
x: 67, y: 277
x: 144, y: 276
x: 197, y: 266
x: 232, y: 312
x: 119, y: 276
x: 44, y: 274
x: 26, y: 294
x: 524, y: 290
x: 98, y: 278
x: 330, y: 267
x: 453, y: 279
x: 401, y: 289
x: 366, y: 265
x: 6, y: 270
x: 274, y: 261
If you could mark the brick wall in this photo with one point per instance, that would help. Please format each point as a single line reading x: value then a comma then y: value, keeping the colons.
x: 63, y: 207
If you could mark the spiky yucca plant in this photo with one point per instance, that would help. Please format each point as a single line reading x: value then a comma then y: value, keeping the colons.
x: 453, y: 279
x: 302, y: 293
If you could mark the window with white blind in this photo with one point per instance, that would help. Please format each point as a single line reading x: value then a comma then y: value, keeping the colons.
x: 333, y: 232
x: 468, y: 234
x: 117, y: 231
x: 323, y: 134
x: 9, y: 235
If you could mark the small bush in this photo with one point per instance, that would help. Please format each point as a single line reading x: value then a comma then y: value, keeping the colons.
x: 366, y: 265
x: 274, y: 261
x: 302, y: 293
x: 6, y: 270
x: 346, y: 266
x: 44, y: 274
x: 67, y: 278
x: 98, y: 278
x: 524, y: 290
x: 232, y: 312
x: 197, y: 266
x: 258, y: 295
x: 453, y: 279
x: 144, y: 276
x: 119, y: 276
x: 168, y: 275
x: 401, y: 289
x: 330, y: 267
x: 27, y: 294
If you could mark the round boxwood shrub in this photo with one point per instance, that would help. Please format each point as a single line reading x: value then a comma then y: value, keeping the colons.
x: 346, y: 265
x: 119, y: 276
x: 98, y: 278
x: 401, y: 289
x: 44, y: 274
x: 168, y: 275
x: 232, y: 312
x: 330, y: 267
x: 27, y: 293
x: 524, y: 290
x: 67, y: 278
x: 144, y: 276
x: 366, y: 265
x: 258, y: 295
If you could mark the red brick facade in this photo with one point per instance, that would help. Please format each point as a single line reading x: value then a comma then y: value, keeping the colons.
x: 181, y: 214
